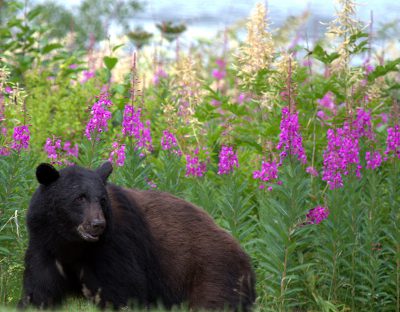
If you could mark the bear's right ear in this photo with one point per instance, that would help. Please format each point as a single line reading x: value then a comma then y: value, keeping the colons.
x: 104, y: 171
x: 46, y: 174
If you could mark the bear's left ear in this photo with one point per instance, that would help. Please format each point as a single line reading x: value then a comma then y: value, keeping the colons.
x: 46, y: 174
x: 104, y: 171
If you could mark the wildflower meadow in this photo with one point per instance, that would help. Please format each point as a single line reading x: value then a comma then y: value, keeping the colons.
x: 291, y: 144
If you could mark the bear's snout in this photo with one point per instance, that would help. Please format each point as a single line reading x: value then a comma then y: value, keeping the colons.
x: 93, y: 224
x: 98, y: 226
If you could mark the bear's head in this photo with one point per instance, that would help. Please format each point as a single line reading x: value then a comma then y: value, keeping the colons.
x: 75, y: 200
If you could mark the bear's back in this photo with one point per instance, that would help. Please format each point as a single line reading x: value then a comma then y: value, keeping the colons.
x: 192, y: 247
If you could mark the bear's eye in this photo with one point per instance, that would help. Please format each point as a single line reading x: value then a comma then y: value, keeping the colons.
x: 80, y: 198
x: 103, y: 201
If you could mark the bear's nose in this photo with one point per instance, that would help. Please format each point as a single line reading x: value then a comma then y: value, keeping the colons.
x: 98, y: 225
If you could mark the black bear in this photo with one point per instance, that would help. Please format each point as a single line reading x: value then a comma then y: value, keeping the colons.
x: 118, y: 246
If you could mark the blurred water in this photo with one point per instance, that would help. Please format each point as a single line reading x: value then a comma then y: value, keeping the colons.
x: 205, y: 17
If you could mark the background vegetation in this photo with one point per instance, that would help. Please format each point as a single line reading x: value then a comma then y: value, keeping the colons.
x: 257, y: 130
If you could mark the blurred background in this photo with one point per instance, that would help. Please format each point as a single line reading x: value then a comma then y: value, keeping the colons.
x: 203, y: 18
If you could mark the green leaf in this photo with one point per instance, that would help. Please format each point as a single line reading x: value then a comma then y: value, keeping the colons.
x: 117, y: 47
x: 382, y: 70
x: 110, y: 62
x: 50, y: 47
x: 35, y: 12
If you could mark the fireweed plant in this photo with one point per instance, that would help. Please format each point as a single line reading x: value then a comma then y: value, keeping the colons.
x: 292, y: 146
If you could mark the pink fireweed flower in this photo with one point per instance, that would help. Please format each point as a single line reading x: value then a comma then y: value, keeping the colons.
x: 151, y: 183
x: 268, y: 173
x: 168, y: 141
x: 393, y: 141
x: 71, y: 151
x: 194, y: 167
x: 87, y: 75
x: 362, y: 124
x: 133, y: 126
x: 227, y: 160
x: 317, y: 215
x: 4, y: 151
x: 51, y: 148
x: 3, y: 131
x: 341, y: 153
x: 290, y: 139
x: 8, y: 89
x: 327, y: 102
x: 54, y: 150
x: 373, y: 159
x: 118, y: 151
x: 312, y: 171
x: 158, y: 75
x: 73, y: 66
x: 100, y: 116
x: 220, y: 72
x: 21, y: 138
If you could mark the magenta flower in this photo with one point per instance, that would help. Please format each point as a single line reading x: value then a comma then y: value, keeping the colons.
x: 327, y: 102
x: 100, y: 116
x: 3, y: 131
x: 220, y: 72
x: 4, y: 151
x: 158, y: 75
x: 393, y: 141
x: 312, y: 171
x: 317, y: 215
x: 227, y: 160
x: 8, y: 89
x: 73, y: 66
x: 133, y: 126
x: 55, y: 151
x: 71, y: 151
x: 168, y: 141
x: 194, y: 167
x: 340, y: 156
x: 268, y: 173
x: 290, y: 139
x: 373, y: 159
x: 118, y: 152
x: 51, y: 148
x: 87, y: 75
x: 21, y: 138
x: 362, y: 124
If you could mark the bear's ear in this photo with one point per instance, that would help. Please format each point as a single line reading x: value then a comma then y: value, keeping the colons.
x: 46, y: 174
x: 104, y: 171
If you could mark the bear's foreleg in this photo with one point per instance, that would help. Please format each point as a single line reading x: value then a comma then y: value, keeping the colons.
x: 44, y: 284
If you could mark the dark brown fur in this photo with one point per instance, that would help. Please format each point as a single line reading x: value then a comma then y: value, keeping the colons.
x: 203, y: 264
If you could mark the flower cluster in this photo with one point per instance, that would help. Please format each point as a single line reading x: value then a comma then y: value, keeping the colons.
x: 341, y: 153
x: 87, y: 75
x: 362, y: 124
x: 100, y: 116
x: 317, y: 215
x: 220, y: 72
x: 393, y: 141
x: 312, y: 171
x: 158, y: 75
x: 227, y: 160
x: 290, y: 139
x: 195, y: 167
x: 373, y: 159
x: 268, y: 173
x: 55, y: 150
x: 21, y: 138
x: 327, y: 102
x: 168, y: 141
x: 118, y: 151
x: 133, y: 126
